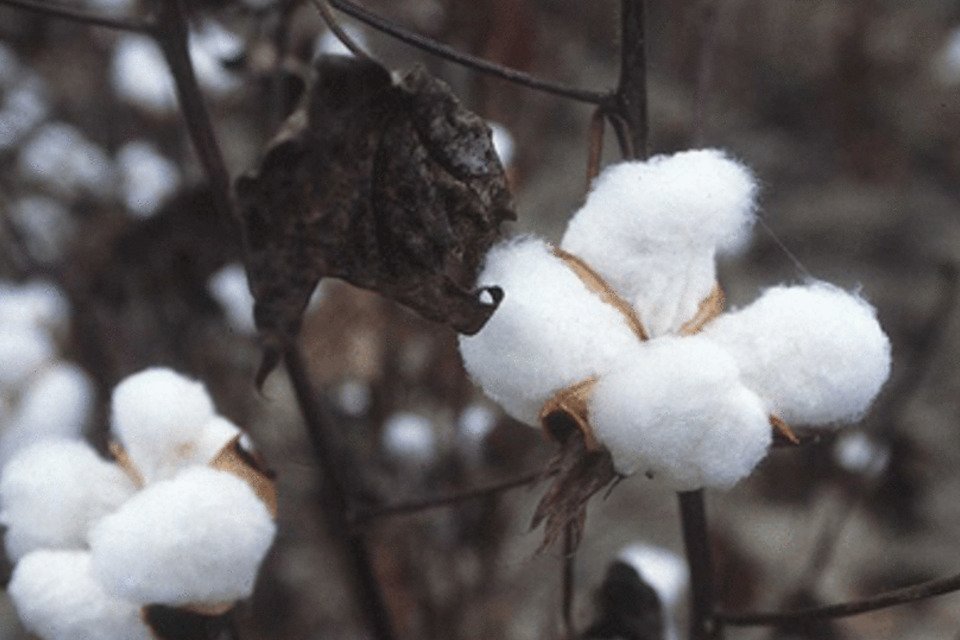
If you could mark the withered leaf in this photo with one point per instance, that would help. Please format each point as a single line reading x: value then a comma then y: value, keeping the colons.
x: 392, y: 186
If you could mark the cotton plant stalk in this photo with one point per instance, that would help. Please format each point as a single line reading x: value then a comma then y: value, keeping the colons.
x: 619, y: 332
x: 181, y: 517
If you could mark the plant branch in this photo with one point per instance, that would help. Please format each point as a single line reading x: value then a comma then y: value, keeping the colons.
x: 630, y: 98
x: 365, y: 584
x: 568, y: 569
x: 696, y: 542
x: 471, y: 62
x: 913, y: 593
x: 139, y: 25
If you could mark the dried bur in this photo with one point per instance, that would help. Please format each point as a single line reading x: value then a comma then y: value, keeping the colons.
x: 391, y: 185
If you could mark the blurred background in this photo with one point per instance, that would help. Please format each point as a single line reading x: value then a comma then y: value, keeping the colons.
x: 112, y: 259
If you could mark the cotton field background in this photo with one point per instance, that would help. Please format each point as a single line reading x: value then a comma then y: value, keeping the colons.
x: 114, y: 259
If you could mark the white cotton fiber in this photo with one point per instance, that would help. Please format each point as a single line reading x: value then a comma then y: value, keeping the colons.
x: 230, y: 288
x: 53, y: 492
x: 213, y: 436
x: 678, y: 412
x: 815, y: 354
x: 652, y: 230
x: 549, y: 331
x: 57, y: 598
x: 55, y: 404
x: 157, y: 415
x: 23, y: 352
x: 198, y: 538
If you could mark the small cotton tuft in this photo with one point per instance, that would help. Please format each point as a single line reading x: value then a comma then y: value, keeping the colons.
x: 549, y: 331
x: 24, y: 350
x: 156, y: 414
x: 652, y: 230
x: 197, y: 538
x: 410, y: 437
x: 815, y: 354
x: 57, y: 598
x: 678, y: 412
x: 53, y: 492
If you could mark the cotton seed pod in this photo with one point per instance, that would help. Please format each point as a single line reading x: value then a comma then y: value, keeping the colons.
x: 549, y: 332
x: 652, y: 230
x: 815, y: 354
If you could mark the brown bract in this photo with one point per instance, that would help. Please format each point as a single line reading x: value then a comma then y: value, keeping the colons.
x: 391, y: 186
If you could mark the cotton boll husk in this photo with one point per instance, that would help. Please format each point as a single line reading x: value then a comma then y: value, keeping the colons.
x: 56, y: 404
x: 157, y: 414
x: 23, y: 353
x: 815, y: 353
x: 197, y: 538
x: 549, y: 332
x: 213, y: 437
x: 652, y: 230
x: 53, y: 492
x: 58, y: 598
x: 678, y: 411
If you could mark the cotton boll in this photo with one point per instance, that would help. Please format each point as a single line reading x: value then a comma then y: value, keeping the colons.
x: 652, y: 229
x: 56, y: 404
x: 666, y: 572
x: 140, y: 75
x: 210, y: 44
x: 197, y: 538
x: 230, y: 288
x: 23, y: 352
x: 62, y: 159
x: 213, y: 437
x: 45, y: 225
x: 37, y: 303
x: 548, y: 333
x: 53, y: 492
x: 678, y: 412
x: 329, y: 44
x: 157, y: 414
x: 148, y: 179
x: 815, y: 354
x: 410, y: 437
x: 859, y: 454
x: 57, y: 598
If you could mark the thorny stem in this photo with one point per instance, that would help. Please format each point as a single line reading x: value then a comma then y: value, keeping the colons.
x: 696, y: 542
x: 365, y: 583
x: 471, y: 62
x: 138, y: 25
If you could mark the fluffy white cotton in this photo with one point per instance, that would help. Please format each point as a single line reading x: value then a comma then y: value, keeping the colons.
x: 148, y: 178
x: 140, y: 75
x: 549, y: 332
x: 58, y: 598
x: 230, y: 288
x: 197, y: 538
x: 410, y: 437
x: 210, y: 45
x: 22, y: 108
x: 678, y: 412
x: 36, y: 303
x: 55, y: 404
x: 815, y: 354
x: 157, y: 414
x: 62, y: 159
x: 652, y: 230
x: 24, y: 350
x: 53, y: 492
x: 211, y: 439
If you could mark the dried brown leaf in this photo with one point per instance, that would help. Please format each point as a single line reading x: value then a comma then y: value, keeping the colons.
x: 392, y: 186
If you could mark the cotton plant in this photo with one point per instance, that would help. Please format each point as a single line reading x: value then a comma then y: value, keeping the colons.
x: 181, y: 517
x: 618, y: 334
x: 41, y: 394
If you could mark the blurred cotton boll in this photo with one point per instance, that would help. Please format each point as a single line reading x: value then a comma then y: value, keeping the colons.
x: 140, y: 76
x: 666, y: 572
x: 148, y: 179
x: 23, y: 107
x: 45, y: 225
x: 354, y: 398
x: 946, y: 64
x: 329, y: 44
x: 59, y: 157
x: 38, y: 304
x: 210, y: 45
x: 24, y: 350
x: 409, y: 437
x: 230, y: 288
x: 860, y: 454
x: 503, y: 142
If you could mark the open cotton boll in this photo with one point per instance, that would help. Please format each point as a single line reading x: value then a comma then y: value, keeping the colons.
x: 815, y: 354
x: 23, y: 352
x: 213, y: 437
x: 652, y: 229
x: 37, y: 303
x: 549, y: 332
x: 56, y: 404
x: 197, y: 538
x: 410, y: 437
x: 678, y: 412
x: 156, y: 414
x: 57, y: 598
x: 53, y: 492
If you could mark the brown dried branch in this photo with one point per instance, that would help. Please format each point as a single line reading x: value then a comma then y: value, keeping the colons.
x: 696, y: 542
x: 138, y: 25
x: 471, y: 62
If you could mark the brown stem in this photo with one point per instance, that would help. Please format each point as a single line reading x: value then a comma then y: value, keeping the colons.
x: 471, y: 62
x: 172, y: 35
x: 631, y: 94
x: 365, y: 584
x: 595, y: 149
x: 893, y: 598
x: 696, y: 542
x: 138, y: 25
x: 568, y: 569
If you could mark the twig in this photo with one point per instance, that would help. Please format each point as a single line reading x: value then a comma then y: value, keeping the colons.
x: 323, y: 8
x: 471, y: 62
x: 365, y: 584
x: 630, y: 98
x: 705, y: 69
x: 913, y: 593
x: 568, y: 569
x: 426, y: 504
x: 696, y: 542
x: 595, y: 149
x: 172, y: 35
x: 139, y: 25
